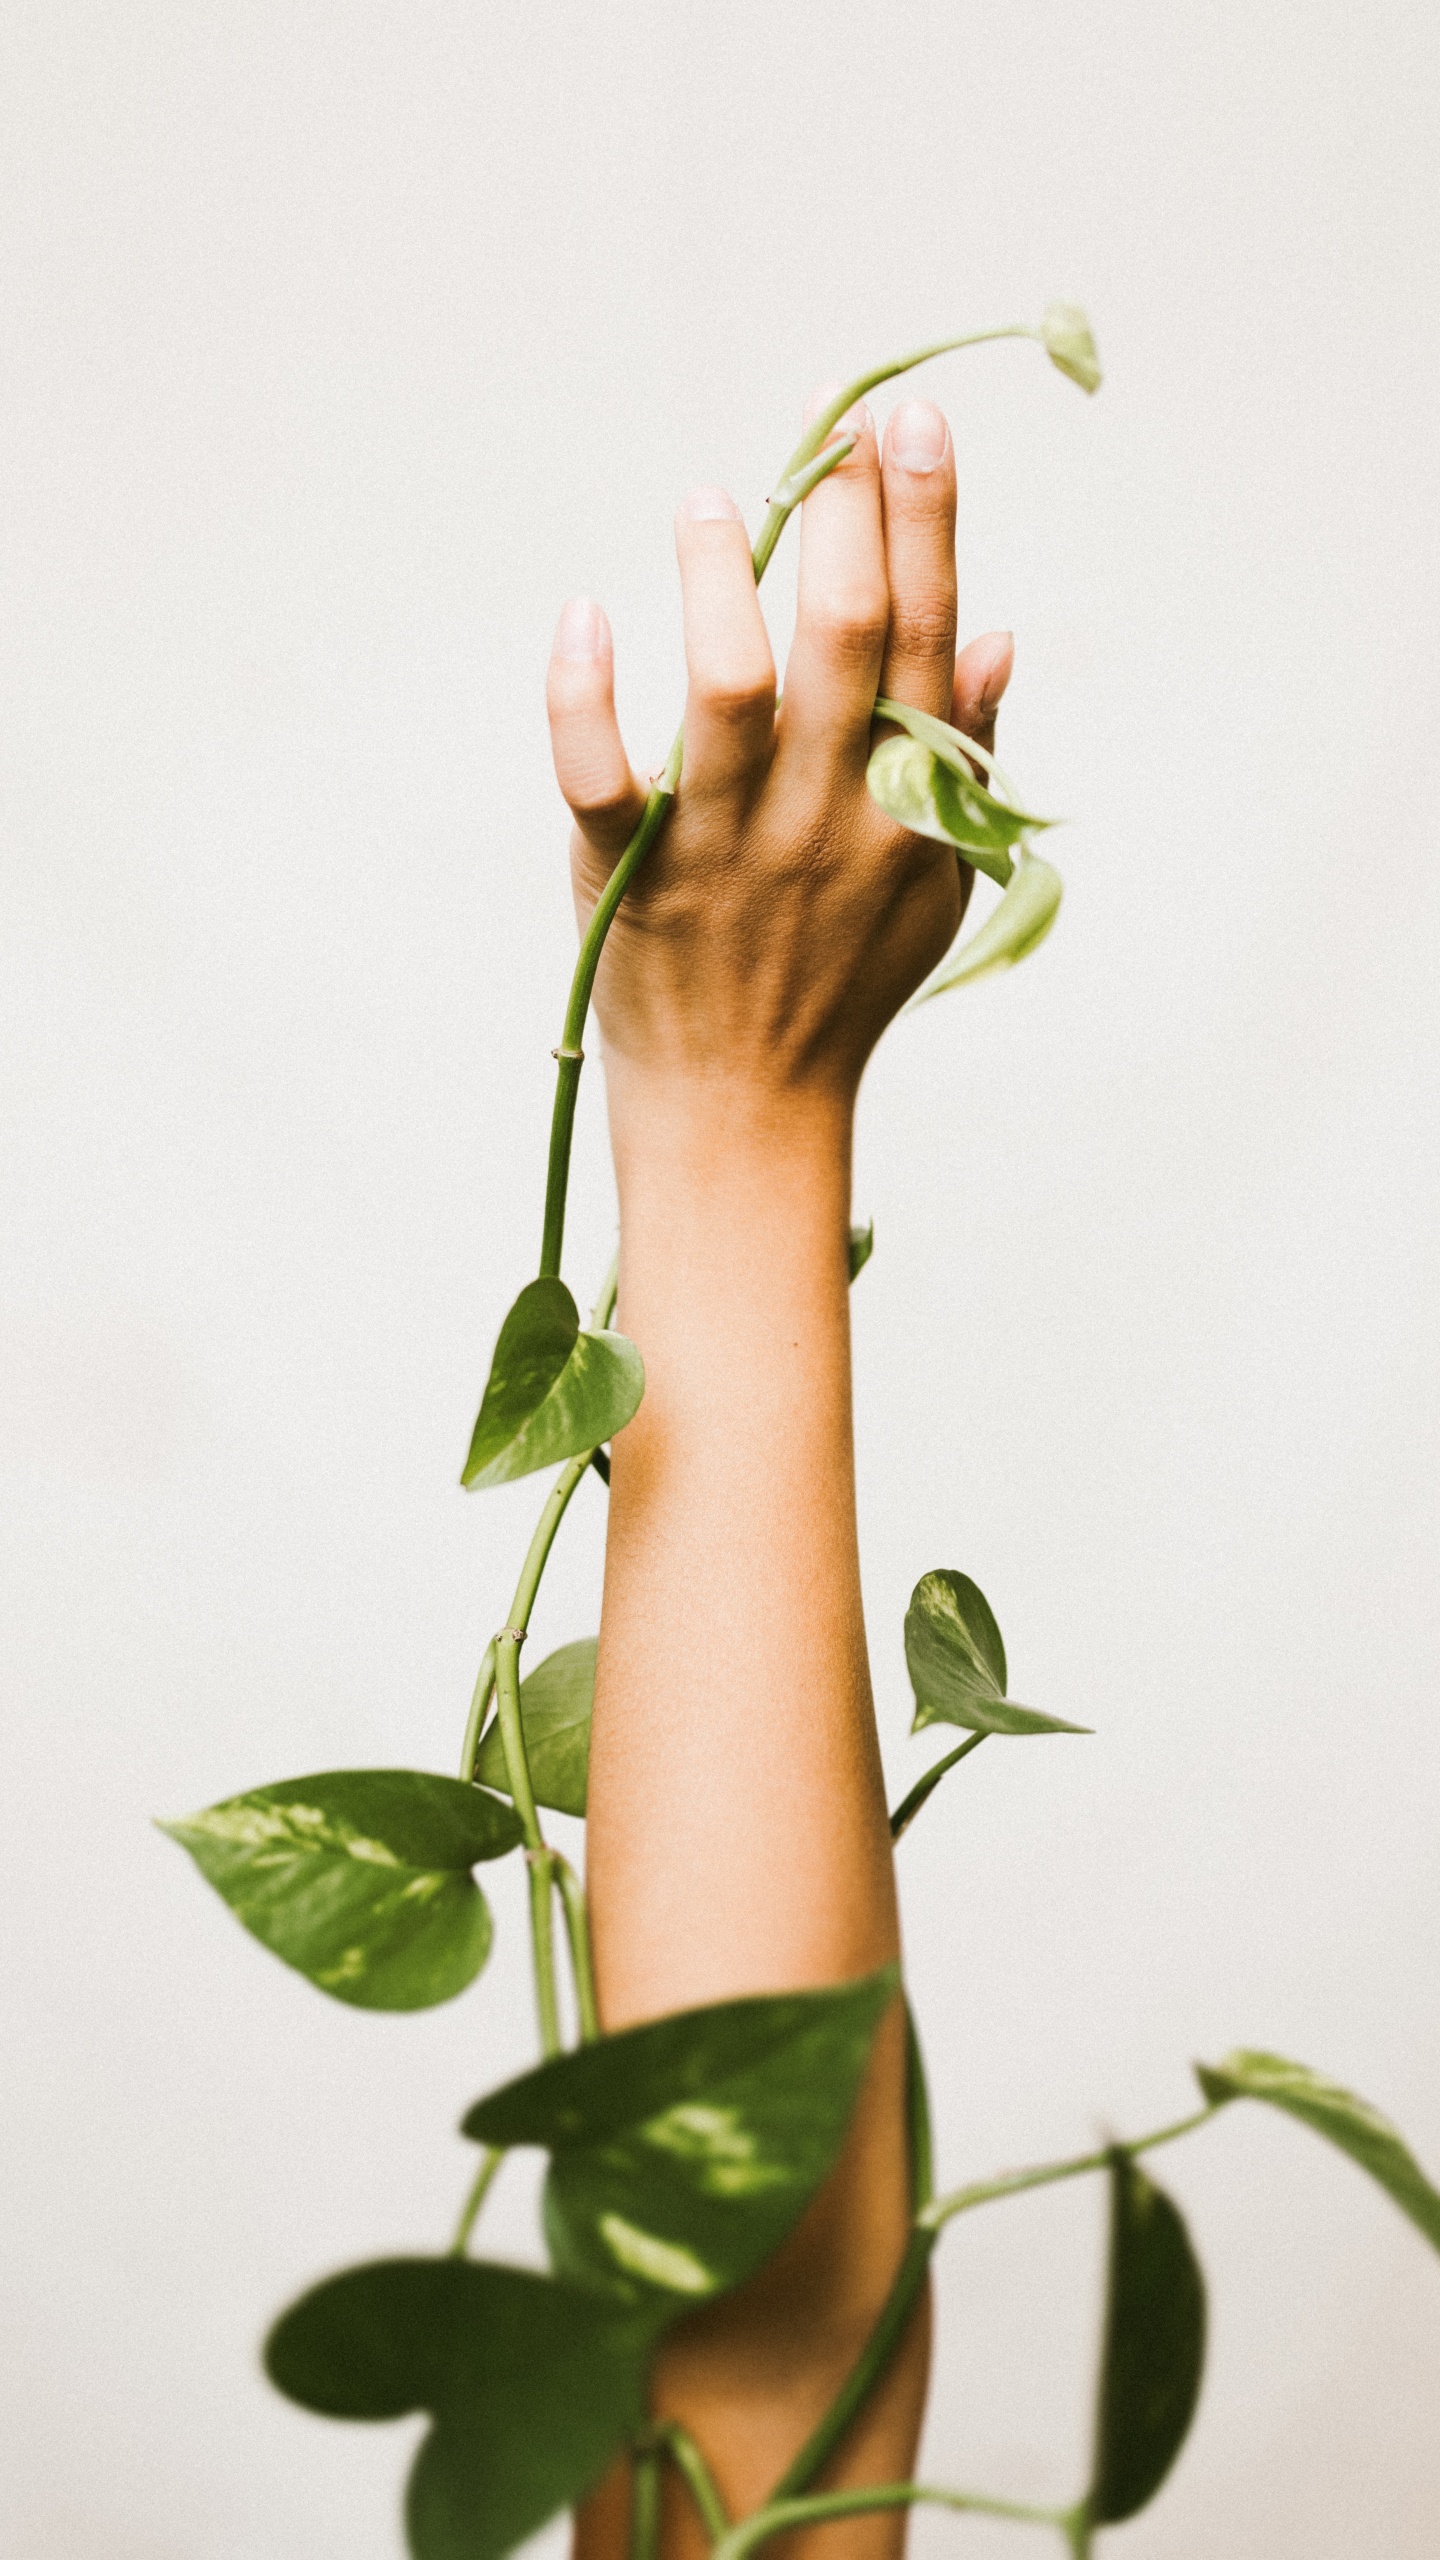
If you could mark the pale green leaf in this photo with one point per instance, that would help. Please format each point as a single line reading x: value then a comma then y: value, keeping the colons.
x: 553, y: 1390
x: 1017, y: 927
x: 682, y: 2152
x: 914, y: 788
x: 956, y: 1661
x: 359, y: 1878
x: 1154, y: 2348
x: 1070, y: 344
x: 555, y: 1704
x: 534, y: 2385
x: 1351, y: 2123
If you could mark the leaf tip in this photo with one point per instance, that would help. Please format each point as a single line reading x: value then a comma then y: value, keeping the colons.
x: 1070, y: 345
x: 1215, y: 2085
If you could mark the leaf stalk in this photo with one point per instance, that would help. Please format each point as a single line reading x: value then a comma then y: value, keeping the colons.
x: 782, y: 2515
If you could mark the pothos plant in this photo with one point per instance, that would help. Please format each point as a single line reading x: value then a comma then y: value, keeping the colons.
x: 682, y: 2152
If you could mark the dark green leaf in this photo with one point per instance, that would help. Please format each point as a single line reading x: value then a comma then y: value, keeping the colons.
x: 360, y: 1878
x: 1070, y: 344
x: 555, y: 1704
x: 533, y: 2385
x: 685, y: 2150
x: 956, y: 1662
x: 862, y: 1245
x: 1347, y: 2121
x: 552, y: 1390
x: 1154, y: 2347
x: 1017, y: 927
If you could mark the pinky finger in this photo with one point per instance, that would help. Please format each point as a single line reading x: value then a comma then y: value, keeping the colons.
x: 591, y: 765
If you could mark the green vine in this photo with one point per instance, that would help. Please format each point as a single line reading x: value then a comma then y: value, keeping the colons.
x: 364, y: 1881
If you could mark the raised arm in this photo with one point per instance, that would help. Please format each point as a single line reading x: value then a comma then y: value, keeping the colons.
x: 737, y: 1833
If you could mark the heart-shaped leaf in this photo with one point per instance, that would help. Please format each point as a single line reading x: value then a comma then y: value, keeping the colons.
x: 359, y: 1878
x: 1349, y: 2122
x: 533, y: 2385
x: 682, y: 2152
x: 1017, y: 927
x: 862, y: 1245
x: 552, y: 1390
x: 1154, y: 2350
x: 1070, y: 344
x: 914, y: 788
x: 555, y: 1704
x: 956, y: 1660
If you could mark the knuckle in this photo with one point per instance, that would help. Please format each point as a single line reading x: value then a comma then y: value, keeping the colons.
x: 737, y: 693
x: 852, y: 622
x: 594, y: 792
x: 923, y: 626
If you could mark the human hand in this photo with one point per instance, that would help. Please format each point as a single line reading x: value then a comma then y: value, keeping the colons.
x: 781, y: 920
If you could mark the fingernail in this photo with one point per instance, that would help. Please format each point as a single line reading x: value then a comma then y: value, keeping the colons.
x: 710, y: 506
x: 918, y: 436
x: 582, y: 630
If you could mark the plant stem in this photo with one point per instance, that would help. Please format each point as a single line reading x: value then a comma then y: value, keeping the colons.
x: 557, y: 1503
x: 577, y: 1929
x: 1014, y: 2182
x: 1078, y: 2531
x: 512, y: 1733
x: 537, y: 1856
x: 834, y: 410
x: 644, y: 2502
x: 781, y: 2515
x: 917, y: 2118
x: 695, y: 2471
x: 480, y: 2187
x: 874, y: 2356
x: 541, y: 1863
x: 481, y: 1696
x: 904, y: 1814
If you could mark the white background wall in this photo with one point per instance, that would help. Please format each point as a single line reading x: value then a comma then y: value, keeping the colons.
x: 341, y: 342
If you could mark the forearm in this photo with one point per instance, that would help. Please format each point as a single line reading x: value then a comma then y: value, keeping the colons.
x: 738, y: 1839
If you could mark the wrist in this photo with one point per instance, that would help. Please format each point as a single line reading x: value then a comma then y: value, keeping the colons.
x: 691, y: 1137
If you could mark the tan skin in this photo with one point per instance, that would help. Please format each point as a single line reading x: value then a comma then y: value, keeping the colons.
x: 738, y: 1839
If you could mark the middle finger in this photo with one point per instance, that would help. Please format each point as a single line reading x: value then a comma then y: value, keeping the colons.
x: 918, y: 478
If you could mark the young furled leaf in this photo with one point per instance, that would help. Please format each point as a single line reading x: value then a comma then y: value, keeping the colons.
x: 682, y: 2152
x: 1154, y: 2349
x: 552, y: 1391
x: 1018, y: 926
x: 555, y: 1704
x: 914, y: 788
x: 533, y: 2385
x: 1349, y: 2122
x: 359, y: 1878
x: 956, y: 1660
x: 1070, y: 344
